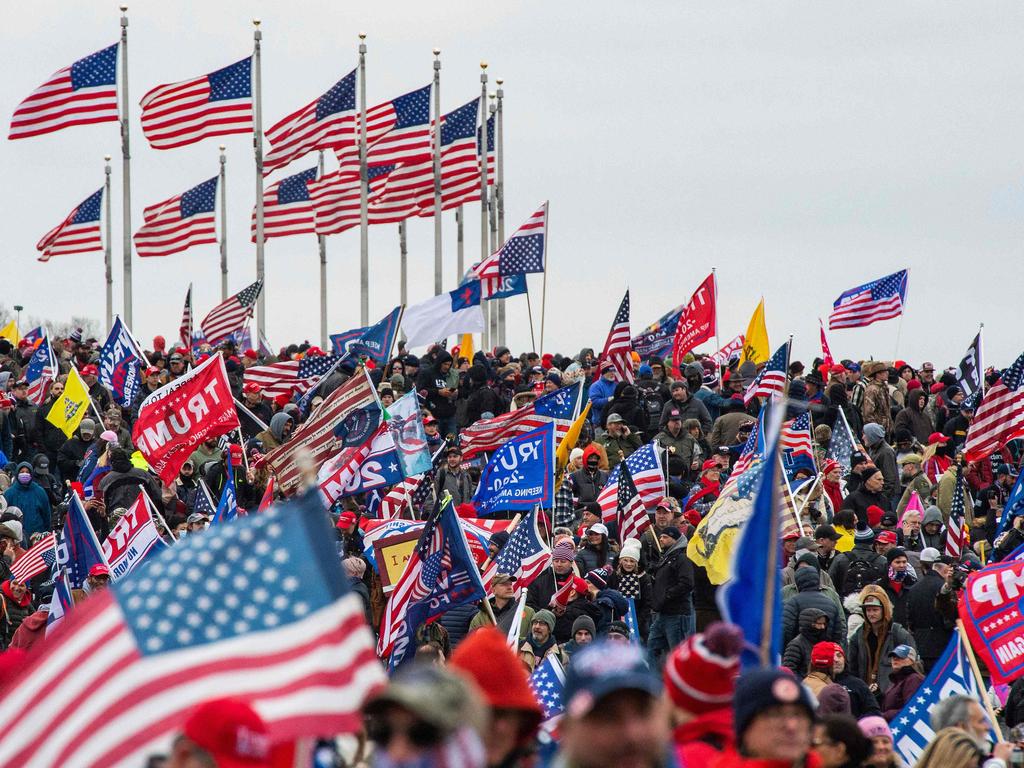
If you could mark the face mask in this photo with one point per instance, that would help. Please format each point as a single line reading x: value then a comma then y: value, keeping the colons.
x: 24, y: 478
x: 897, y: 575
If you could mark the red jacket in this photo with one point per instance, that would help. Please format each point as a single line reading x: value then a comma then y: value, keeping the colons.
x: 903, y: 684
x: 31, y: 631
x: 704, y: 738
x: 733, y: 759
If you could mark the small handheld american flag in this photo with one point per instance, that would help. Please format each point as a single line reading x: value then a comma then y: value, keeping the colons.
x: 618, y: 347
x: 771, y: 381
x: 231, y: 314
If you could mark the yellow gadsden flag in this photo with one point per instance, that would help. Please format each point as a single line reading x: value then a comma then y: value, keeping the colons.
x: 755, y: 345
x: 571, y: 437
x: 10, y: 332
x: 466, y: 347
x: 70, y: 408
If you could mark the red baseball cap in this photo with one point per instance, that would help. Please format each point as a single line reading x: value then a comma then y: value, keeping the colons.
x: 346, y: 519
x: 824, y: 654
x: 252, y: 388
x: 885, y: 537
x: 937, y: 437
x: 236, y: 455
x: 89, y: 370
x: 99, y: 570
x: 152, y: 371
x: 232, y: 732
x: 580, y: 584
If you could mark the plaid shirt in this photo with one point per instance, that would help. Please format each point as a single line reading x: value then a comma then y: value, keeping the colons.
x: 563, y: 513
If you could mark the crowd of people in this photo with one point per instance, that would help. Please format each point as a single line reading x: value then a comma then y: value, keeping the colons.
x: 869, y: 595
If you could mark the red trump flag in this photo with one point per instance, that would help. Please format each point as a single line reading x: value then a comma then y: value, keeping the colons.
x: 990, y: 607
x: 697, y: 323
x: 178, y: 417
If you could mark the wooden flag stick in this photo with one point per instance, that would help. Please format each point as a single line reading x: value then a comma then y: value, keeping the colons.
x: 982, y: 690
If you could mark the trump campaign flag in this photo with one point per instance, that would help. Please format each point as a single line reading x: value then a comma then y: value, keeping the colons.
x: 134, y: 537
x: 520, y: 474
x: 227, y: 507
x: 656, y: 339
x: 121, y: 364
x: 697, y: 323
x: 179, y: 416
x: 442, y: 316
x: 990, y: 608
x: 77, y: 548
x: 406, y: 425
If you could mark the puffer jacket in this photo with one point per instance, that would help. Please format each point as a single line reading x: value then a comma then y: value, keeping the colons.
x: 797, y: 655
x: 811, y: 595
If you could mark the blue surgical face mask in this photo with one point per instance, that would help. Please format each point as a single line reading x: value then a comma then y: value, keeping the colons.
x: 24, y: 477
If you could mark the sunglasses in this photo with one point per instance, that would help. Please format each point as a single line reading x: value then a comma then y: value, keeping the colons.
x: 421, y: 735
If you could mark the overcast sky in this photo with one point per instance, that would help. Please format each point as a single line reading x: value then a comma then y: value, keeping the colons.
x: 801, y: 148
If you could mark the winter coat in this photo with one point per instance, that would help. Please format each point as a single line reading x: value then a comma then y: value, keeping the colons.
x: 70, y: 455
x: 914, y: 419
x: 727, y: 426
x: 680, y: 446
x: 1014, y: 709
x: 811, y: 595
x: 542, y: 589
x: 31, y: 499
x: 903, y: 684
x: 692, y: 408
x: 938, y: 540
x: 12, y: 613
x: 877, y: 406
x: 841, y: 565
x: 919, y: 485
x: 639, y: 586
x: 703, y: 738
x: 600, y: 393
x: 862, y: 650
x: 31, y: 631
x: 586, y: 485
x: 273, y: 436
x: 944, y: 497
x: 859, y: 501
x: 459, y: 484
x: 456, y: 620
x: 862, y: 700
x: 619, y: 447
x: 898, y: 597
x: 505, y: 616
x: 581, y: 606
x: 923, y: 620
x: 673, y: 582
x: 883, y: 457
x: 797, y: 655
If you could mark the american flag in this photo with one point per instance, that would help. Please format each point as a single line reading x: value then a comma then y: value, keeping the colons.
x: 327, y: 122
x: 957, y: 538
x: 41, y: 371
x: 397, y: 499
x: 771, y: 381
x: 315, y: 366
x: 522, y: 253
x: 880, y: 299
x: 257, y: 609
x: 78, y: 233
x: 216, y: 104
x: 617, y: 347
x: 841, y: 446
x: 335, y: 200
x: 185, y: 329
x: 826, y: 353
x: 560, y: 406
x: 547, y: 683
x: 525, y: 555
x: 464, y: 187
x: 287, y: 207
x: 750, y: 457
x: 231, y: 314
x: 645, y: 467
x: 82, y: 94
x: 277, y: 378
x: 38, y: 558
x: 795, y: 437
x: 316, y: 437
x: 632, y: 516
x: 401, y: 128
x: 734, y: 347
x: 179, y: 222
x: 1000, y: 416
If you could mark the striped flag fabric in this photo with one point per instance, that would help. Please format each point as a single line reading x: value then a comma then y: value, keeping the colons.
x: 645, y: 467
x: 78, y: 233
x: 826, y: 353
x: 752, y: 454
x: 196, y: 624
x: 217, y: 104
x: 231, y: 314
x: 1000, y: 415
x: 335, y: 200
x: 327, y: 122
x: 957, y: 536
x: 185, y: 329
x: 522, y: 253
x: 38, y: 558
x: 41, y: 372
x: 796, y: 447
x: 728, y: 351
x: 463, y: 187
x: 395, y: 501
x: 179, y: 222
x: 561, y: 407
x: 842, y: 444
x: 771, y: 381
x: 525, y: 555
x: 402, y: 129
x: 287, y: 207
x: 276, y: 379
x: 316, y: 438
x: 632, y: 515
x: 617, y: 347
x: 81, y: 94
x: 133, y: 538
x: 880, y: 299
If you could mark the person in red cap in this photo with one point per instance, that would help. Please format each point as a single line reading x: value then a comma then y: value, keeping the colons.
x: 226, y: 733
x: 97, y: 392
x: 485, y: 658
x: 98, y: 579
x: 700, y: 678
x: 15, y: 607
x: 936, y: 457
x: 709, y: 487
x: 258, y: 410
x: 824, y: 656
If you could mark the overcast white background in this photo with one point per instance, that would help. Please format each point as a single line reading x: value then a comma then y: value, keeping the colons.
x: 802, y: 148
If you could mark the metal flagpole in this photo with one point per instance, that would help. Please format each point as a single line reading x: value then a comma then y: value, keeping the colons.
x: 544, y: 283
x: 108, y: 268
x: 322, y: 244
x: 981, y: 360
x: 492, y: 214
x: 223, y: 225
x: 126, y: 172
x: 438, y: 259
x: 364, y: 194
x: 460, y: 258
x: 718, y: 345
x: 491, y: 316
x: 257, y: 144
x: 403, y: 251
x: 499, y: 197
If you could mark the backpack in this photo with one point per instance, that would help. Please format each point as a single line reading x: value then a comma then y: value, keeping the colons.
x: 860, y: 573
x: 652, y: 404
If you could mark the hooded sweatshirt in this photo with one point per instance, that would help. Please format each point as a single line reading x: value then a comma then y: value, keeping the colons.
x: 797, y: 656
x: 938, y: 540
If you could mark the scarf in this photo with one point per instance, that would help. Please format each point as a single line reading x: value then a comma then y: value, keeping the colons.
x: 629, y: 584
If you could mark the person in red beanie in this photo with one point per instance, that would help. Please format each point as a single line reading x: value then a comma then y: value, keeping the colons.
x: 700, y: 678
x: 227, y: 733
x: 485, y: 658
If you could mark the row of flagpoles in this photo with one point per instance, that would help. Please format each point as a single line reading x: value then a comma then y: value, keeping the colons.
x: 229, y: 101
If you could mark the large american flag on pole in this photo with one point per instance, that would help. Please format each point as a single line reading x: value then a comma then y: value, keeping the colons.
x: 618, y: 347
x: 179, y: 222
x: 1000, y: 415
x: 880, y: 299
x: 522, y: 253
x: 771, y: 381
x: 84, y: 93
x: 327, y: 122
x: 316, y: 437
x: 277, y: 378
x: 459, y: 183
x: 287, y: 207
x: 258, y: 610
x: 957, y: 535
x: 645, y: 467
x: 561, y: 407
x: 525, y: 555
x: 216, y: 104
x: 231, y: 314
x: 632, y: 515
x: 78, y: 233
x: 39, y: 557
x: 401, y: 129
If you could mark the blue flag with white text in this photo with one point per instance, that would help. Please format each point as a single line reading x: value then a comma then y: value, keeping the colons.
x: 406, y: 424
x: 121, y: 365
x: 1014, y: 505
x: 227, y: 507
x: 78, y: 549
x: 520, y: 474
x: 376, y: 341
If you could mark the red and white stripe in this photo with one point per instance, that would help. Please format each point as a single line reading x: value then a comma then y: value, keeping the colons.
x: 231, y: 314
x: 769, y: 383
x: 999, y: 419
x: 860, y: 310
x: 164, y: 231
x: 721, y: 357
x: 796, y: 440
x: 633, y: 519
x: 69, y: 237
x: 177, y: 114
x: 300, y: 133
x: 56, y: 104
x: 379, y: 120
x: 618, y: 346
x: 396, y: 501
x: 185, y: 329
x: 277, y: 378
x: 315, y: 438
x: 283, y: 219
x: 491, y: 434
x: 650, y: 484
x: 491, y: 266
x: 32, y: 563
x: 826, y: 353
x: 90, y: 697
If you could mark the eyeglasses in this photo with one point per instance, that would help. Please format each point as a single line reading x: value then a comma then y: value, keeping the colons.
x: 419, y: 734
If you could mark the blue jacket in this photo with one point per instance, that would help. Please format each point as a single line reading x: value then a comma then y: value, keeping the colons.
x: 35, y: 507
x: 600, y: 393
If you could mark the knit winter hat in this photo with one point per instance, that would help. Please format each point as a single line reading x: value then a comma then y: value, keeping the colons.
x: 700, y: 675
x: 631, y: 549
x: 875, y: 433
x: 563, y: 550
x: 763, y: 688
x: 834, y: 700
x: 863, y: 535
x: 544, y: 616
x: 599, y: 576
x: 584, y: 622
x: 873, y: 726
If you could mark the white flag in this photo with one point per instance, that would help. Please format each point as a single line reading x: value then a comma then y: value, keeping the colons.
x: 134, y: 536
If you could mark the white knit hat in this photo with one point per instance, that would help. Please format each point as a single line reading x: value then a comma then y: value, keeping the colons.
x: 630, y: 549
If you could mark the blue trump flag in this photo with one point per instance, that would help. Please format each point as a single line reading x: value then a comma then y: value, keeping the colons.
x: 341, y: 341
x: 227, y: 507
x: 508, y: 286
x: 1014, y: 505
x: 406, y: 425
x: 520, y: 474
x: 77, y: 547
x: 744, y: 599
x: 951, y: 675
x: 376, y: 341
x: 656, y: 339
x: 121, y: 365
